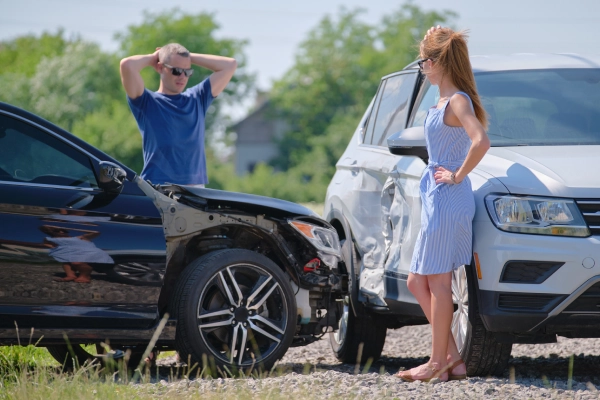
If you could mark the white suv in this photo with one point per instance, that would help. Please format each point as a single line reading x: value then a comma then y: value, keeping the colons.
x: 537, y: 225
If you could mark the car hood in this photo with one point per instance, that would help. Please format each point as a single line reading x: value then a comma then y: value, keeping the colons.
x: 559, y: 171
x: 245, y: 202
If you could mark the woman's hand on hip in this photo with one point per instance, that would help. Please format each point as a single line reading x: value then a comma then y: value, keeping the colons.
x: 443, y: 175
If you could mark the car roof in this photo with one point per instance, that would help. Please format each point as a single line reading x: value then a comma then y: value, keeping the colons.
x: 524, y: 61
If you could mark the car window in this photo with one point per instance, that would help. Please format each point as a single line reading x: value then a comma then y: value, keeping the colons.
x: 428, y: 98
x: 28, y: 154
x: 533, y: 107
x: 371, y: 120
x: 394, y: 106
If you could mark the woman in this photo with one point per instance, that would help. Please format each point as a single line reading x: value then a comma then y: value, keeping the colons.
x: 455, y: 133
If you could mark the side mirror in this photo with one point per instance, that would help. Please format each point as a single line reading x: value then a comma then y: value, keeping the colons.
x: 409, y: 142
x: 111, y: 177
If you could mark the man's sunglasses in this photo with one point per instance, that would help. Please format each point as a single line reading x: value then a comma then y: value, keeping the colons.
x: 178, y: 71
x: 421, y: 61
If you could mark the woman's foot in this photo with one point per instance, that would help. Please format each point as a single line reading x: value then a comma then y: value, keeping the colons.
x: 425, y: 373
x: 67, y: 278
x: 457, y: 370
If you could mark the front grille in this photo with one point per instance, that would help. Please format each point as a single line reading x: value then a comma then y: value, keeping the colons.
x: 588, y: 301
x: 529, y: 271
x: 527, y: 302
x: 590, y: 208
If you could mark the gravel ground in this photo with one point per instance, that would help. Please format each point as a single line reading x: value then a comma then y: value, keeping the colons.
x: 535, y: 372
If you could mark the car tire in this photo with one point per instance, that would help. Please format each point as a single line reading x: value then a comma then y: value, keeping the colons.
x: 482, y: 353
x: 359, y: 338
x: 234, y: 299
x: 70, y: 358
x: 76, y: 356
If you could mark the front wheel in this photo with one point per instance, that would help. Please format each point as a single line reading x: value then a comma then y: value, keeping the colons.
x: 236, y: 307
x: 358, y: 338
x: 482, y: 353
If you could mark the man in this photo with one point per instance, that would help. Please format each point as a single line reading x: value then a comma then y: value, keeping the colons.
x: 171, y: 120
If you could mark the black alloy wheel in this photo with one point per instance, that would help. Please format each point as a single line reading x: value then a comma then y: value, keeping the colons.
x: 236, y: 307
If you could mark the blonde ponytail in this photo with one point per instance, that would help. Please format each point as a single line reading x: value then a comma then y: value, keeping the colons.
x: 450, y: 52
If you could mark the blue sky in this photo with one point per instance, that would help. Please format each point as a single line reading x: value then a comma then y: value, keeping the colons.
x: 275, y: 27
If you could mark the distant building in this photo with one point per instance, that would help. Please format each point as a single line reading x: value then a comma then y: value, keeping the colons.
x: 256, y: 138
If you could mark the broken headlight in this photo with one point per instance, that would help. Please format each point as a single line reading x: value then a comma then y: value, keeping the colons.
x: 325, y: 240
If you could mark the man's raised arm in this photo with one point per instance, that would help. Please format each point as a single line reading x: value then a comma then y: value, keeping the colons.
x: 222, y: 67
x: 130, y: 72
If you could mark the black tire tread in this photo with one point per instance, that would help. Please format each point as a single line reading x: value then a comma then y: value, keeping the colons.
x: 484, y: 355
x: 363, y: 330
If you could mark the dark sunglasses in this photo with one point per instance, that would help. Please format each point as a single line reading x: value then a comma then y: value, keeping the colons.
x: 178, y: 71
x: 421, y: 61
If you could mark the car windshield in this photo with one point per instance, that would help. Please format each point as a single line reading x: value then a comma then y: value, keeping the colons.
x: 542, y: 107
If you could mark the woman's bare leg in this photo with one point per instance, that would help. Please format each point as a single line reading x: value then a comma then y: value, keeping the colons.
x: 85, y: 272
x: 441, y: 315
x: 69, y: 272
x: 419, y: 287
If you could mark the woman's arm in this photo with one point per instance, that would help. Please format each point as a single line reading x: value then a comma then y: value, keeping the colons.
x: 480, y: 143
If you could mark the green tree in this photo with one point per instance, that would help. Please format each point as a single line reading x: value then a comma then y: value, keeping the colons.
x: 336, y: 74
x: 19, y: 58
x: 197, y: 34
x: 324, y: 95
x: 22, y: 54
x: 67, y: 87
x: 331, y: 73
x: 113, y: 130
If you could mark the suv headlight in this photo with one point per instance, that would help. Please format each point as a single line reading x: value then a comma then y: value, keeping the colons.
x: 536, y: 215
x: 326, y: 241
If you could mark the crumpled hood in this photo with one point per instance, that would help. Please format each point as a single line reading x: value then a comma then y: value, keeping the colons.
x: 558, y: 171
x: 248, y: 202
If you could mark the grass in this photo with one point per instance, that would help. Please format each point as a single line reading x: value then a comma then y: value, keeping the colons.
x: 31, y: 373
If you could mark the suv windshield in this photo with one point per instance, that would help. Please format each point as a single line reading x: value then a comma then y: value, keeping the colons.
x: 537, y: 107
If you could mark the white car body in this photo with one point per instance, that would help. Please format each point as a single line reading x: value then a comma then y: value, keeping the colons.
x: 374, y: 200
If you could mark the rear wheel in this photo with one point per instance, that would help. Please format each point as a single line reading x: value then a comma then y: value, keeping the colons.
x: 236, y: 307
x: 482, y: 353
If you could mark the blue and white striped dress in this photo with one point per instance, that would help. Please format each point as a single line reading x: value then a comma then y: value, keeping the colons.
x: 445, y: 240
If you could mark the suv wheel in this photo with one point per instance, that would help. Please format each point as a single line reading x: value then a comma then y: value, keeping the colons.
x: 234, y: 306
x: 356, y: 331
x: 483, y: 355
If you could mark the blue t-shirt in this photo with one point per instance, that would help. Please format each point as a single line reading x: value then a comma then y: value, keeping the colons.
x: 172, y: 128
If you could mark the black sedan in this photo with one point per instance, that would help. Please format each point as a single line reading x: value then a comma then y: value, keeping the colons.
x: 92, y: 253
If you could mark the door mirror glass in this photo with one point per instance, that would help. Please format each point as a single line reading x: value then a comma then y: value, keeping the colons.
x: 111, y: 177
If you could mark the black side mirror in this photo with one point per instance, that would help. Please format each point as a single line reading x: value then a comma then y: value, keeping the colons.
x: 409, y: 142
x: 111, y: 177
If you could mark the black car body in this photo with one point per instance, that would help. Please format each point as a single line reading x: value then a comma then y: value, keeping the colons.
x: 231, y: 268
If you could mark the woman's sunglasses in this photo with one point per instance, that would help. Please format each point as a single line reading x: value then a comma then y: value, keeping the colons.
x: 421, y: 61
x: 178, y: 71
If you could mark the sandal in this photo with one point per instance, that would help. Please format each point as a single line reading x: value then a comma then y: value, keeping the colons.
x: 457, y: 377
x: 407, y: 377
